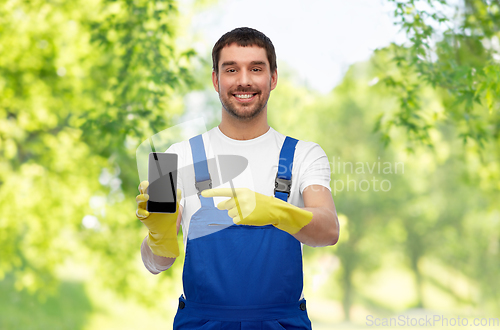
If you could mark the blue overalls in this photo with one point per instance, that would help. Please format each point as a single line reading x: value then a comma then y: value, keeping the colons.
x: 239, y: 277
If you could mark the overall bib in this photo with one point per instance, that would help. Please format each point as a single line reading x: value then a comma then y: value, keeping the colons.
x: 239, y: 277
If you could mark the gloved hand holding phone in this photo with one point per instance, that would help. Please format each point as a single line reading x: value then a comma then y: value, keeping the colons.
x: 162, y: 237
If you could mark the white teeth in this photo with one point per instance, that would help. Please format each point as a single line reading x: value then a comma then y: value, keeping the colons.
x: 244, y: 96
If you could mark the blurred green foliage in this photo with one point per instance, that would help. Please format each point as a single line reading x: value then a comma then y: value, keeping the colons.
x: 69, y: 309
x: 440, y: 220
x: 83, y: 83
x: 429, y: 213
x: 453, y: 47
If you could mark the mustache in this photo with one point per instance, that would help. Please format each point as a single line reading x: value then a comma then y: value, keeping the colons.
x: 245, y: 90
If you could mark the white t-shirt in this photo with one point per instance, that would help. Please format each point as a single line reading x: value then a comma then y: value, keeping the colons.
x: 310, y: 167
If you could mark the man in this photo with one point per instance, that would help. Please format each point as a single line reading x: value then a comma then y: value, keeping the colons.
x: 243, y: 265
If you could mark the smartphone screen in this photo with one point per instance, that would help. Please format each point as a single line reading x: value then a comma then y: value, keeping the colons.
x: 162, y: 177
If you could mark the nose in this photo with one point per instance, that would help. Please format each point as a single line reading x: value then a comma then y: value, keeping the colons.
x: 244, y: 78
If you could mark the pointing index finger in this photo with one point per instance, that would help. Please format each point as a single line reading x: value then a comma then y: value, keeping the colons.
x: 224, y: 192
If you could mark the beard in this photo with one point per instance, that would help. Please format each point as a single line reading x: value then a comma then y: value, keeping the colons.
x: 243, y: 111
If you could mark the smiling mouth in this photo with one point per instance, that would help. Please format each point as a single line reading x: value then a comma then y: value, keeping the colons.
x: 244, y: 96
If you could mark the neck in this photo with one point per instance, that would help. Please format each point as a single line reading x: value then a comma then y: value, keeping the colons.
x: 238, y: 129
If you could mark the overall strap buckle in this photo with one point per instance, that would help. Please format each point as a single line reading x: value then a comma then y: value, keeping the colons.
x: 203, y: 185
x: 202, y: 178
x: 282, y: 185
x: 283, y: 181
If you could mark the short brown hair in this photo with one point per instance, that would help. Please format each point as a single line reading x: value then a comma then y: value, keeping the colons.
x: 244, y: 37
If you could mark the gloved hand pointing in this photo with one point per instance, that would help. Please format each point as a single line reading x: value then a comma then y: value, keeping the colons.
x: 247, y: 207
x: 162, y: 237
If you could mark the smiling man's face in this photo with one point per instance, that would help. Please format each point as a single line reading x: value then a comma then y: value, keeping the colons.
x: 245, y: 80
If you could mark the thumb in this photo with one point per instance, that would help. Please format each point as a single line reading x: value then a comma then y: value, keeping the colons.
x: 143, y: 186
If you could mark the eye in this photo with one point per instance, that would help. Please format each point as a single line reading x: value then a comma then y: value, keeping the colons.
x: 231, y: 70
x: 256, y: 69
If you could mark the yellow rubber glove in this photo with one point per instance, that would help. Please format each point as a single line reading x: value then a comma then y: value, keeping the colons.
x: 162, y: 237
x: 247, y: 207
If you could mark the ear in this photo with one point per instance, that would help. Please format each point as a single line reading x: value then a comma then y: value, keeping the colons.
x: 215, y: 81
x: 274, y: 79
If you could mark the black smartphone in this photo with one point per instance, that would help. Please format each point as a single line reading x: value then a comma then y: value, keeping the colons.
x: 162, y: 177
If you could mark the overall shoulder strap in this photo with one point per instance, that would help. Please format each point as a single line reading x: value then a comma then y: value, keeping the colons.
x: 202, y: 176
x: 283, y: 181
